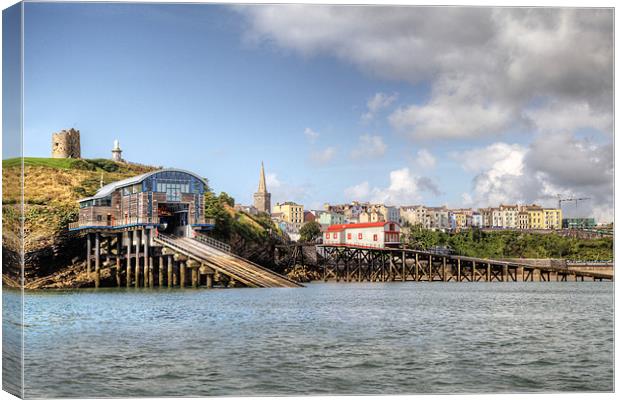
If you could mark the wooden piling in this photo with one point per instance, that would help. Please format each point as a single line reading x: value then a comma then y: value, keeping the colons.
x: 195, y: 277
x: 160, y: 271
x: 138, y: 235
x: 444, y: 271
x: 89, y: 252
x: 119, y: 239
x: 489, y: 272
x: 473, y: 271
x: 170, y: 281
x: 415, y: 271
x: 458, y: 270
x: 128, y: 256
x: 151, y: 278
x: 505, y: 273
x: 97, y: 260
x: 182, y: 273
x: 145, y: 236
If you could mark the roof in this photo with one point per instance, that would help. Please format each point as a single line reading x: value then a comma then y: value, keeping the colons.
x: 340, y: 227
x: 111, y: 187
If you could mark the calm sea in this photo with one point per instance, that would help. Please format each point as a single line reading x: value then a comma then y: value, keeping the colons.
x: 352, y: 338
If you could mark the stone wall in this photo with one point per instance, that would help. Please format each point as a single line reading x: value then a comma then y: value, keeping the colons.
x: 66, y: 144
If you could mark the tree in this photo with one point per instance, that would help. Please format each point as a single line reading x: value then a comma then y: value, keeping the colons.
x: 310, y: 231
x: 226, y: 199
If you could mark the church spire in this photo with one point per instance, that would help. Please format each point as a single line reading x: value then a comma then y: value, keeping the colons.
x: 262, y: 198
x: 262, y: 185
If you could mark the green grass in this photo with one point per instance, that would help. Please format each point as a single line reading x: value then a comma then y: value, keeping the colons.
x: 95, y: 164
x: 62, y: 163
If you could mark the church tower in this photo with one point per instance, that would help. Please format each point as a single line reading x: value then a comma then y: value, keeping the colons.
x: 262, y: 198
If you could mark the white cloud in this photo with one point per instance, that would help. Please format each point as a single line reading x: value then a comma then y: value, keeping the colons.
x: 358, y: 192
x: 323, y: 157
x: 568, y: 117
x: 272, y: 181
x: 377, y: 103
x: 311, y: 134
x: 467, y: 199
x: 502, y: 158
x: 282, y: 191
x: 425, y: 160
x: 403, y: 188
x: 369, y: 147
x: 457, y: 109
x: 553, y: 164
x: 486, y: 66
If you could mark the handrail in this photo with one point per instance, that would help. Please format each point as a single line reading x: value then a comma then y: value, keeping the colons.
x: 213, y: 242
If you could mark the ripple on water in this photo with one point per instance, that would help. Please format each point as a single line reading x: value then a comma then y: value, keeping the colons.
x: 324, y: 339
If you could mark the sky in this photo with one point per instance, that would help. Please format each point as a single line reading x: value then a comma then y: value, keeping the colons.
x: 464, y: 107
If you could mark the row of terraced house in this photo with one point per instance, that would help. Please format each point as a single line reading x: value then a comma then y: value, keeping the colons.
x: 443, y: 218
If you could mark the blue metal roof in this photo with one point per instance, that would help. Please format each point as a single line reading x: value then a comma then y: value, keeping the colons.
x: 111, y: 187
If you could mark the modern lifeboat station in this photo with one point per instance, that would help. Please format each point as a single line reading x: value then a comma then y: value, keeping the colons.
x: 148, y: 231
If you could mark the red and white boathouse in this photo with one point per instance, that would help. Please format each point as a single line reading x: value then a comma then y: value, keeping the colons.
x: 371, y: 235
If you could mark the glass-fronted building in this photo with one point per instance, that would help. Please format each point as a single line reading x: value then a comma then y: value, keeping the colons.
x: 170, y: 199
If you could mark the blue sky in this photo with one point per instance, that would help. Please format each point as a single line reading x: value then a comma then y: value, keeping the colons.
x: 216, y: 89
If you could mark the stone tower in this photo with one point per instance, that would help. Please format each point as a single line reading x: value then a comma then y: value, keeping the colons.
x: 117, y: 152
x: 66, y: 144
x: 262, y: 198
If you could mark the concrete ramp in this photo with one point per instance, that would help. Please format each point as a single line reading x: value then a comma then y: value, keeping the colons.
x: 242, y: 270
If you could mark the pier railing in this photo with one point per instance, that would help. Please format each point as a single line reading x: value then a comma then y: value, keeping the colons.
x: 213, y: 242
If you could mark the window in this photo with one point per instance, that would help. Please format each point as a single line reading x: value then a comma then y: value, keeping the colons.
x: 349, y: 236
x: 335, y: 235
x: 375, y: 237
x: 327, y: 235
x: 98, y: 217
x: 360, y: 236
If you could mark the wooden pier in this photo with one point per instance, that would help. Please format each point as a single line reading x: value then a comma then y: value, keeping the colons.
x: 360, y: 264
x: 140, y: 257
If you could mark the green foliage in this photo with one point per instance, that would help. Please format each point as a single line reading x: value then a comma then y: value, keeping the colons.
x: 106, y: 165
x: 310, y: 231
x: 226, y: 199
x: 96, y: 164
x: 512, y: 244
x: 62, y: 163
x: 214, y: 208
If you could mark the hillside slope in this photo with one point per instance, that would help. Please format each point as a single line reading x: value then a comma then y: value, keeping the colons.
x: 54, y: 257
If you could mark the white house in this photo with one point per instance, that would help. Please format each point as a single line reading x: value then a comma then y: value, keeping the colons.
x: 370, y: 234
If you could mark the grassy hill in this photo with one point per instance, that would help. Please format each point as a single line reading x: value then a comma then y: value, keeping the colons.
x: 52, y: 188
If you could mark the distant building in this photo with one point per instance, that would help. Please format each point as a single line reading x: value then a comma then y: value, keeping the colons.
x: 117, y: 152
x: 415, y: 215
x: 476, y: 220
x: 523, y: 218
x: 578, y: 223
x: 66, y: 144
x: 309, y: 216
x: 439, y: 218
x: 262, y: 198
x: 247, y: 209
x: 292, y: 213
x: 373, y: 234
x: 553, y: 218
x: 371, y: 216
x: 331, y: 218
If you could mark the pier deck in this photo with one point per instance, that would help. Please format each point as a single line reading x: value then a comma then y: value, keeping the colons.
x: 350, y: 263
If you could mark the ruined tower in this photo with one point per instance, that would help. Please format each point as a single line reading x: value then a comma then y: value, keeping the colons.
x: 66, y: 144
x: 117, y: 152
x: 262, y: 198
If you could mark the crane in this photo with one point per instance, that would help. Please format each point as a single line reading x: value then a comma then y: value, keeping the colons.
x: 560, y: 200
